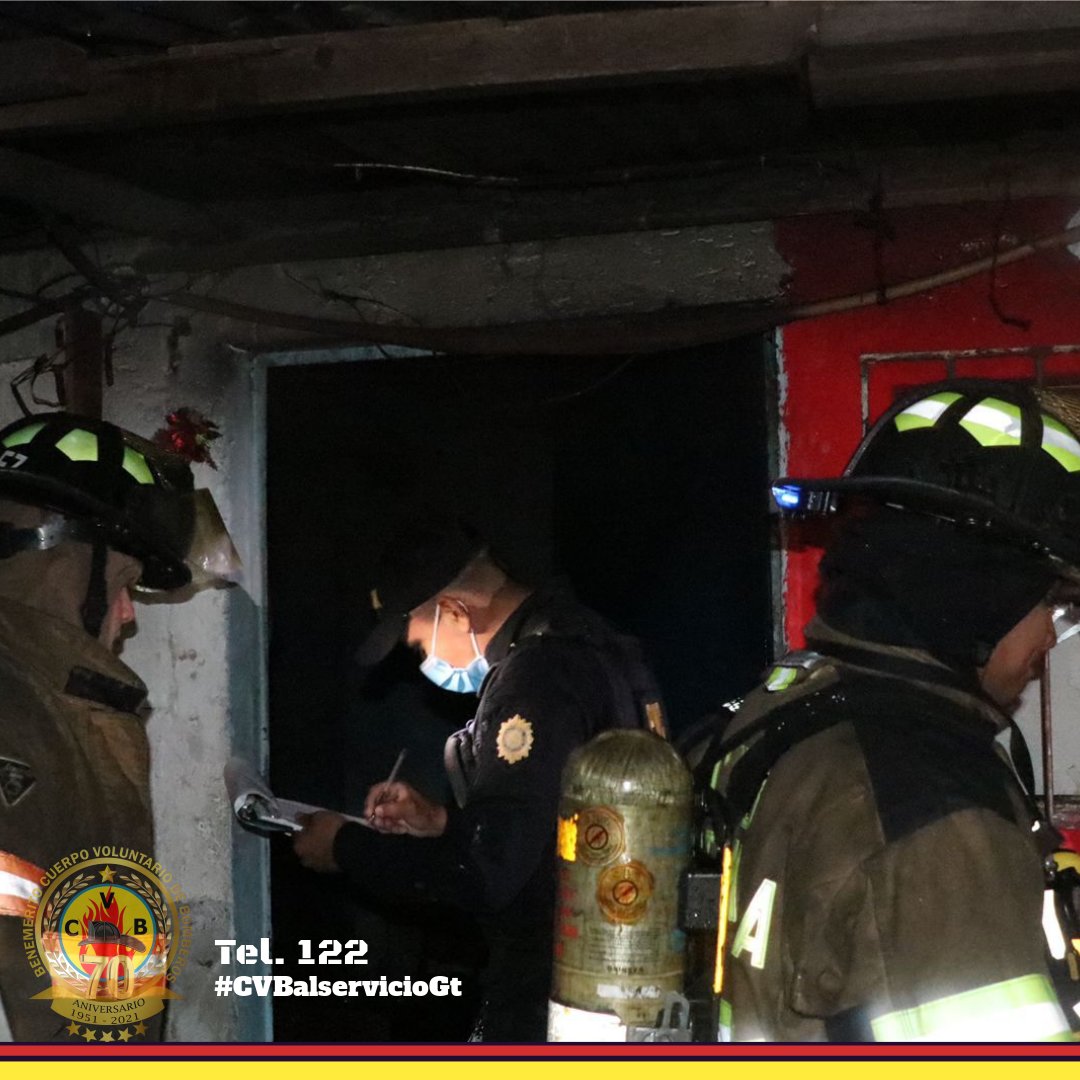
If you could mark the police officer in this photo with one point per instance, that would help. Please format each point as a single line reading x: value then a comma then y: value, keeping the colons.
x: 550, y: 675
x: 886, y: 867
x: 88, y: 511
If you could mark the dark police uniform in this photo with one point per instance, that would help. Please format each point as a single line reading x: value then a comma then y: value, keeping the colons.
x: 888, y: 880
x: 559, y: 675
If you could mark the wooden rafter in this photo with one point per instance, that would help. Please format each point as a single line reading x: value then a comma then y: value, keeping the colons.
x: 94, y: 198
x: 228, y: 79
x: 428, y: 217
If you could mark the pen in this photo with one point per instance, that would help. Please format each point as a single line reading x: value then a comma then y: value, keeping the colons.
x: 391, y: 778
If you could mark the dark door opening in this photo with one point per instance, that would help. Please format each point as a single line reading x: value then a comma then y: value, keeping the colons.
x: 643, y: 480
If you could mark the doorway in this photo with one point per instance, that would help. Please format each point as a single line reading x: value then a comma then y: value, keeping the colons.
x: 642, y: 479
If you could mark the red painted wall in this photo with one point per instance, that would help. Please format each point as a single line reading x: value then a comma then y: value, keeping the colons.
x: 821, y: 414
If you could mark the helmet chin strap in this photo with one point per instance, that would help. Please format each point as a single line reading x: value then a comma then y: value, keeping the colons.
x: 96, y: 604
x: 55, y: 530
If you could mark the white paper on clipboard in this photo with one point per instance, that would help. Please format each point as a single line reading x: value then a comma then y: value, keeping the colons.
x: 258, y: 809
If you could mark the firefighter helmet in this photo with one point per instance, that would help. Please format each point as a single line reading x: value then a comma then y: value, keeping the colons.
x: 992, y: 455
x: 121, y: 489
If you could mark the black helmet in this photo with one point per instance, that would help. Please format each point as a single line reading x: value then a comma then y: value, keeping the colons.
x: 992, y: 455
x: 121, y: 489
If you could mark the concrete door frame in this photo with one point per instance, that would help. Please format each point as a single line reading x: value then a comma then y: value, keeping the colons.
x: 249, y: 636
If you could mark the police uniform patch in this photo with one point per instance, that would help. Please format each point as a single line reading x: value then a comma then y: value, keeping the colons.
x: 16, y: 780
x: 515, y: 739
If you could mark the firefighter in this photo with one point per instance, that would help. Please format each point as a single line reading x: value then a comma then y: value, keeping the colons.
x: 550, y: 674
x: 887, y: 869
x: 88, y: 512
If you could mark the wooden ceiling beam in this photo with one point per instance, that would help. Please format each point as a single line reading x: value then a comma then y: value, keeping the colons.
x: 846, y: 23
x: 95, y: 199
x: 428, y: 217
x: 857, y: 53
x: 42, y: 68
x: 975, y: 67
x: 475, y: 56
x: 877, y: 53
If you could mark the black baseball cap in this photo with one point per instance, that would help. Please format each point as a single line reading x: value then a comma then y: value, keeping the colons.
x: 420, y: 560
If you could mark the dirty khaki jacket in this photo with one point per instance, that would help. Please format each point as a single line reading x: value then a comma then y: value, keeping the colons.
x: 887, y: 882
x: 74, y: 773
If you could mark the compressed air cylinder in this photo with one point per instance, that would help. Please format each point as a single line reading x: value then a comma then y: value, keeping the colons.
x: 623, y: 842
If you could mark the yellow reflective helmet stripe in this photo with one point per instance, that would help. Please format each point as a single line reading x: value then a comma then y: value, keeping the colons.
x: 79, y: 445
x: 925, y: 413
x: 994, y: 422
x: 23, y: 435
x: 780, y: 678
x: 82, y: 445
x: 1061, y: 444
x: 135, y: 465
x: 1024, y: 1009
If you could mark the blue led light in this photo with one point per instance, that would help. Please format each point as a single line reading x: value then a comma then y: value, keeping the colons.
x: 787, y: 496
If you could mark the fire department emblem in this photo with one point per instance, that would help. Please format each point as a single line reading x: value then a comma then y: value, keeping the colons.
x: 515, y: 740
x: 111, y: 937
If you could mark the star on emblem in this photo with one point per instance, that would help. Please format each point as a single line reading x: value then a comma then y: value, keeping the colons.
x: 124, y: 1034
x: 106, y: 1036
x: 140, y: 1028
x: 108, y: 874
x: 90, y: 1035
x: 515, y: 740
x: 73, y: 1028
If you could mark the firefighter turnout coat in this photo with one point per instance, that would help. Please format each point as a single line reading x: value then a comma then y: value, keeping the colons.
x: 74, y: 774
x: 887, y: 867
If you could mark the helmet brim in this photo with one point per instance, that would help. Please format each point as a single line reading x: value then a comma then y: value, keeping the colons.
x: 161, y: 570
x: 959, y: 508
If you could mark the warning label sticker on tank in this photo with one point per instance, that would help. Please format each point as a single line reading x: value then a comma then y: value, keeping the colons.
x: 566, y: 838
x: 623, y: 892
x: 621, y: 992
x: 601, y: 835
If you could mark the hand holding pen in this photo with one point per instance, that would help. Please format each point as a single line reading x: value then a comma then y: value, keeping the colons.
x: 394, y: 806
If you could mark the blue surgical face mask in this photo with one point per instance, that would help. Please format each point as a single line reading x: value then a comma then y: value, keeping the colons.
x: 459, y: 680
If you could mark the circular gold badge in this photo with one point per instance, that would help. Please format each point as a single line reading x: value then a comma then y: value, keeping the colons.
x: 515, y: 740
x: 623, y: 892
x: 111, y: 936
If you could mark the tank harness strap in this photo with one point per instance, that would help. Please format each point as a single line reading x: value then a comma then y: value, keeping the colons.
x: 907, y: 668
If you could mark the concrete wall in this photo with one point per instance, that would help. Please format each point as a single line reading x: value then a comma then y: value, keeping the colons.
x: 181, y: 650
